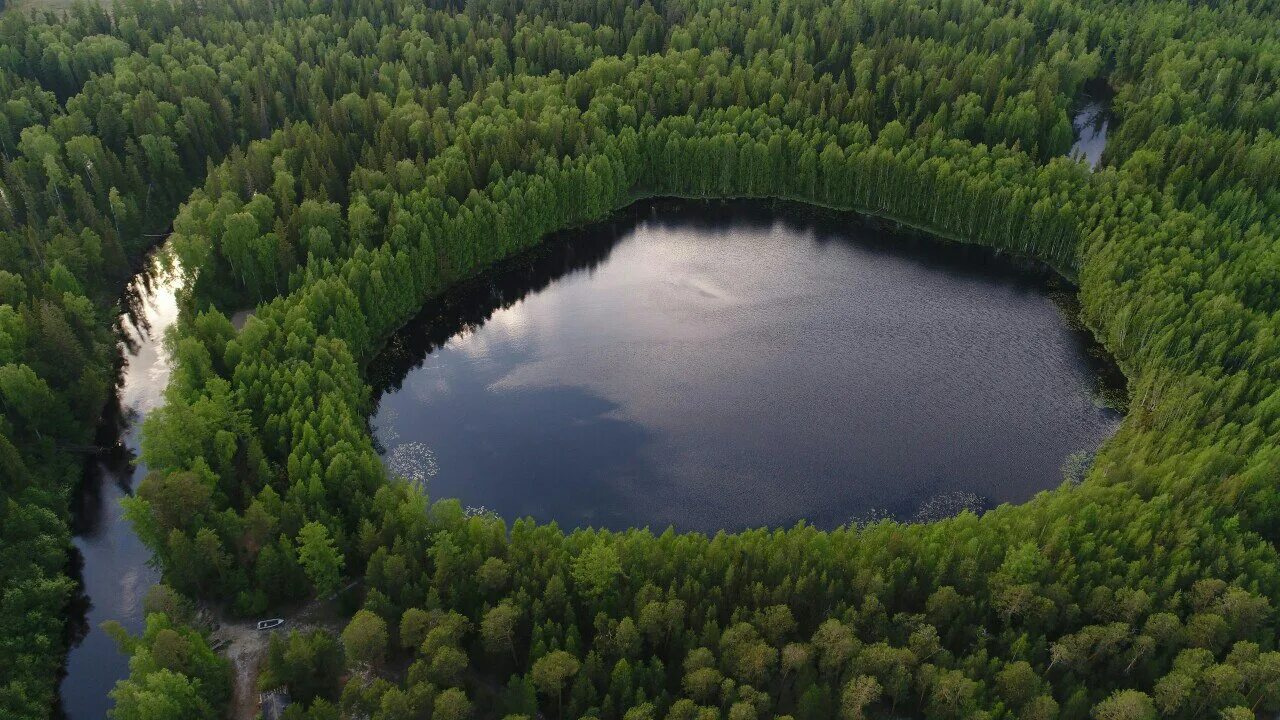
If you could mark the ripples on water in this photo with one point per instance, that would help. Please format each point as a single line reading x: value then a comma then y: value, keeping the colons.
x: 413, y: 461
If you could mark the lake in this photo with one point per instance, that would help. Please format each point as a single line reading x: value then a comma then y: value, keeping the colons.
x: 726, y: 366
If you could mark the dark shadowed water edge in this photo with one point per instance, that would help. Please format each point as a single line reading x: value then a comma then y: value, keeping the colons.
x: 727, y: 365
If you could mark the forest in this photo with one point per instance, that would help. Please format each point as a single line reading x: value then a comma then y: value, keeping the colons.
x: 337, y: 164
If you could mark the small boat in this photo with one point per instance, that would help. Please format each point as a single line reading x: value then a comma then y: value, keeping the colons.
x: 272, y: 623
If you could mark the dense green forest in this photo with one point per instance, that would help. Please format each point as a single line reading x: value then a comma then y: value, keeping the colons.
x: 338, y: 163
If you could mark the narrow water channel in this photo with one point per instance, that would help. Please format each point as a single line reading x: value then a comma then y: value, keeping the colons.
x: 114, y: 566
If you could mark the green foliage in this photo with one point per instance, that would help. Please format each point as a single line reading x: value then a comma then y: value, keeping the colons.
x: 161, y: 695
x: 552, y: 672
x: 319, y: 557
x: 596, y: 569
x: 342, y: 163
x: 1126, y: 705
x: 309, y: 664
x: 172, y: 674
x: 365, y: 639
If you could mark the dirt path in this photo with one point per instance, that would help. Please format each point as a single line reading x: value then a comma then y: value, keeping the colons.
x: 246, y: 647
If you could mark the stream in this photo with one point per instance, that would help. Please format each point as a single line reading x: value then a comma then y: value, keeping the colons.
x: 113, y: 563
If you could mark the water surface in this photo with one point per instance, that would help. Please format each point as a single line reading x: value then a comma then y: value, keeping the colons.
x: 1091, y: 122
x: 114, y: 570
x: 715, y: 367
x: 707, y: 366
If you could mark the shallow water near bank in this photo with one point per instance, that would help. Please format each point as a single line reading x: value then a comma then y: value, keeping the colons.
x: 113, y: 562
x: 724, y: 367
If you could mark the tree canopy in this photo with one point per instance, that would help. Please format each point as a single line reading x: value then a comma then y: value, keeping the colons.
x: 340, y: 163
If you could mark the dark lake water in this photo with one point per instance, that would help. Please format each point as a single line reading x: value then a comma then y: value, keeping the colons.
x: 722, y: 366
x: 113, y: 567
x: 1090, y: 122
